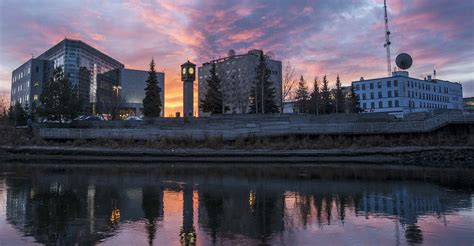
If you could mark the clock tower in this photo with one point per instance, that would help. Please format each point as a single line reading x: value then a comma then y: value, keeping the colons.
x: 188, y: 76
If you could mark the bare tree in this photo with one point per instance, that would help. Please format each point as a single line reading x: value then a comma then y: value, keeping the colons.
x: 289, y: 82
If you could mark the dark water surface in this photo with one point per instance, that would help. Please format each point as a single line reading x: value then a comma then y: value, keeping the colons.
x: 86, y: 207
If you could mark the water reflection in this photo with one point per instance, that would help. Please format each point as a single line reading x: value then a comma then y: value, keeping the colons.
x: 65, y: 209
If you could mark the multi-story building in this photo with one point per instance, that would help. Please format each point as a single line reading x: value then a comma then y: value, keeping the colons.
x: 98, y: 77
x: 237, y: 73
x: 400, y: 94
x: 81, y: 64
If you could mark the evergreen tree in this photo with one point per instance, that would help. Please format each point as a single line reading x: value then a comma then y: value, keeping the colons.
x: 20, y: 115
x: 213, y: 100
x: 263, y: 89
x: 315, y: 97
x: 325, y: 97
x: 152, y: 100
x: 59, y: 100
x: 302, y: 96
x: 339, y: 96
x: 354, y: 102
x: 11, y: 114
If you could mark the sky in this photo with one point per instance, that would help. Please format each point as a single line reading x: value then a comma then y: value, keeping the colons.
x: 318, y: 37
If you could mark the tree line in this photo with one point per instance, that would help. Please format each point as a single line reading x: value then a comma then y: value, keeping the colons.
x: 323, y: 100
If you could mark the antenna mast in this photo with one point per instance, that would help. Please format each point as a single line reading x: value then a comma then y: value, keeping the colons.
x: 387, y: 39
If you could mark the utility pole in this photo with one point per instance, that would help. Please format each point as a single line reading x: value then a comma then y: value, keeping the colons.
x: 387, y: 39
x: 263, y: 97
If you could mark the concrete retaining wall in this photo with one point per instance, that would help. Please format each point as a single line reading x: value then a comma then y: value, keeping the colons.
x: 233, y: 127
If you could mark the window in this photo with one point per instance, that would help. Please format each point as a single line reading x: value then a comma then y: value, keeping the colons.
x: 363, y: 96
x: 380, y: 104
x: 357, y: 87
x: 363, y: 86
x: 389, y: 93
x: 395, y: 83
x: 396, y: 93
x: 371, y: 95
x: 379, y: 85
x: 37, y: 69
x: 35, y: 97
x: 380, y: 94
x: 397, y: 103
x: 390, y: 104
x: 372, y: 105
x: 364, y: 105
x: 389, y: 84
x: 371, y: 86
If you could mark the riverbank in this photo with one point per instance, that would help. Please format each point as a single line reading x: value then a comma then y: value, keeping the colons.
x: 443, y: 157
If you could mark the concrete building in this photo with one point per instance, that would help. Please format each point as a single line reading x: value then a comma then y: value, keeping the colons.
x: 237, y: 73
x: 400, y: 94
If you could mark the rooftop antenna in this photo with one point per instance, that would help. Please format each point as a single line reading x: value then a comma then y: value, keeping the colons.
x: 387, y: 39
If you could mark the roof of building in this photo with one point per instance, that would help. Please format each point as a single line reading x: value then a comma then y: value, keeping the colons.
x: 253, y: 52
x: 400, y: 76
x: 83, y: 45
x: 188, y: 63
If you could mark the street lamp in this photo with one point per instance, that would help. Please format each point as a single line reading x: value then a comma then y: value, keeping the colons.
x: 116, y: 89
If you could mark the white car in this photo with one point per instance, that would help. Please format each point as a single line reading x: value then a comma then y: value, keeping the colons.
x: 133, y: 118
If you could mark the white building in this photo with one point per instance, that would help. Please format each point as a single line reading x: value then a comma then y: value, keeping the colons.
x: 401, y: 94
x: 237, y: 73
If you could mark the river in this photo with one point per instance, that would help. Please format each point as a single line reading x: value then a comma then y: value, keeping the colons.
x: 129, y: 207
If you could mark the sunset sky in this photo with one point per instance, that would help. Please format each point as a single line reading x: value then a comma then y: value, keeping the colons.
x: 317, y: 36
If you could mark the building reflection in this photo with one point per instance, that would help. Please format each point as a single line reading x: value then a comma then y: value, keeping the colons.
x: 188, y: 232
x: 83, y: 209
x: 152, y: 205
x: 254, y: 212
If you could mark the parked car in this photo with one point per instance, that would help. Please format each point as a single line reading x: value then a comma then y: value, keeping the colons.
x: 133, y: 118
x: 89, y: 118
x: 93, y: 118
x: 81, y: 117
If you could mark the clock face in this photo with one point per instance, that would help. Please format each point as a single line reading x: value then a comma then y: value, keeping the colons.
x: 184, y: 70
x: 191, y: 70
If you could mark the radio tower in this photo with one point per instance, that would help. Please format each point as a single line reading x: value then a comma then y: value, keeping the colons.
x: 387, y: 39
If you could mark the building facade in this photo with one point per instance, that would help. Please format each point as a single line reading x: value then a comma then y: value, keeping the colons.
x: 125, y: 89
x: 132, y: 89
x: 237, y: 73
x: 400, y: 94
x: 82, y: 64
x: 27, y: 81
